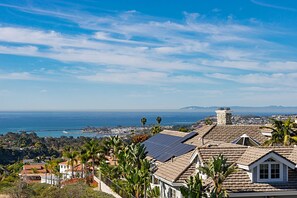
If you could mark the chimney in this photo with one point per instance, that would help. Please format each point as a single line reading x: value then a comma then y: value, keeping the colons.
x: 224, y: 116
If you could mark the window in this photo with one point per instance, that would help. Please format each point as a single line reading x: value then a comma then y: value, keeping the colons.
x: 270, y: 170
x: 274, y: 171
x: 264, y: 171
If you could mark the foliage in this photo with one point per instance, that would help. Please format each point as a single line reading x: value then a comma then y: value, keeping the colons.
x: 282, y: 133
x: 156, y: 129
x: 79, y: 190
x: 208, y: 121
x: 154, y: 193
x: 16, y: 146
x: 159, y: 119
x: 72, y: 157
x: 143, y: 121
x: 92, y: 150
x: 218, y: 170
x: 184, y: 129
x: 132, y: 171
x: 139, y: 138
x: 194, y: 189
x: 20, y: 190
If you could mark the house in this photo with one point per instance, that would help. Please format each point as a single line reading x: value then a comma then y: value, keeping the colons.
x: 32, y: 173
x: 262, y: 171
x: 66, y: 170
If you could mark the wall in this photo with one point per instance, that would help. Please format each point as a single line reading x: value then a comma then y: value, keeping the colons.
x: 104, y: 188
x: 164, y: 189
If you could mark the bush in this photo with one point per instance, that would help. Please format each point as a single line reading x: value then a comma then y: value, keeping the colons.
x: 139, y: 138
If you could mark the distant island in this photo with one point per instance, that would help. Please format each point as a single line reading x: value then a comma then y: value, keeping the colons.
x: 270, y: 109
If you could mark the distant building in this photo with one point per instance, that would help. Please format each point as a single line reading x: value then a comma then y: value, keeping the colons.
x: 32, y: 173
x: 66, y: 170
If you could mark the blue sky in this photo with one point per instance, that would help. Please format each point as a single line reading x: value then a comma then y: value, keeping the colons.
x: 154, y: 54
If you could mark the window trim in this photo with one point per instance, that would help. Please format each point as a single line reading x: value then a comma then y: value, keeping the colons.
x: 269, y: 172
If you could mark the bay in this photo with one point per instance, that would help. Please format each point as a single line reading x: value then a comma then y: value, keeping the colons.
x: 56, y: 124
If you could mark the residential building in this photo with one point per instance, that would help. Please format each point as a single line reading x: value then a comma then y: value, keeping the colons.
x: 262, y: 171
x: 32, y: 173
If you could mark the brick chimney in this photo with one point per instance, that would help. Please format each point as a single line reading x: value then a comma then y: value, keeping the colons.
x: 224, y: 116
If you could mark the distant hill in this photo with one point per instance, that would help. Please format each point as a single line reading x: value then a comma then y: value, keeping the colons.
x: 270, y: 109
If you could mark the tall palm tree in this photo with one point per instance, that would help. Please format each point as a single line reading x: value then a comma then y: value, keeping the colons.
x: 83, y: 157
x: 159, y: 119
x: 93, y: 150
x: 72, y: 160
x: 195, y: 188
x: 51, y: 165
x: 218, y: 170
x: 282, y: 133
x: 143, y: 121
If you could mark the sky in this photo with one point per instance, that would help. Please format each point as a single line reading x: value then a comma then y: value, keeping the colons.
x: 146, y: 54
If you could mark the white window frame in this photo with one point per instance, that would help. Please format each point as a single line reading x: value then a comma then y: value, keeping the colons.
x: 269, y: 172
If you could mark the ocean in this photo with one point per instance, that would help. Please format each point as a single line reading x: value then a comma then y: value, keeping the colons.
x: 56, y: 124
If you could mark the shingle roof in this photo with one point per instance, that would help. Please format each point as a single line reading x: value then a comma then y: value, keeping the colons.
x: 229, y: 133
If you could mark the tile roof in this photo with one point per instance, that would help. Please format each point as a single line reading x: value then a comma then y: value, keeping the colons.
x: 231, y: 153
x: 33, y: 169
x: 240, y: 182
x: 174, y: 133
x: 229, y: 133
x: 190, y: 171
x: 172, y: 169
x: 252, y: 154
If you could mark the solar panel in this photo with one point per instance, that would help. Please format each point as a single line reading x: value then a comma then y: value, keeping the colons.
x: 163, y: 147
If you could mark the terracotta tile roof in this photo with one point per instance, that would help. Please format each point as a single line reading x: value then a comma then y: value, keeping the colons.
x: 172, y: 169
x: 63, y: 163
x: 174, y: 133
x: 240, y: 182
x: 33, y: 169
x: 35, y: 166
x: 229, y: 133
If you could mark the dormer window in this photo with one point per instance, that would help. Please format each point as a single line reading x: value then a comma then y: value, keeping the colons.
x: 270, y: 170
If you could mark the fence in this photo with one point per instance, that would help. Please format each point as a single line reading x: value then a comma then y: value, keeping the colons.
x: 120, y: 191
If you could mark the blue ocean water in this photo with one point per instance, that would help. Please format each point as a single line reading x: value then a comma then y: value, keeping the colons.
x: 43, y: 122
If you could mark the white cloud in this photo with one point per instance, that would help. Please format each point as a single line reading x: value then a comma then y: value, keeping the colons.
x: 18, y: 76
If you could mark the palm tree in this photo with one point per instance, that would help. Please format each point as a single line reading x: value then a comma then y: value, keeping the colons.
x: 218, y: 170
x: 72, y: 160
x: 195, y: 188
x: 51, y: 165
x: 83, y: 159
x: 93, y: 149
x: 143, y: 121
x: 282, y: 133
x: 159, y: 119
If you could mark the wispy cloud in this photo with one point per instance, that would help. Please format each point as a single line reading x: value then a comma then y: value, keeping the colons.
x: 18, y: 76
x: 261, y: 3
x: 142, y: 49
